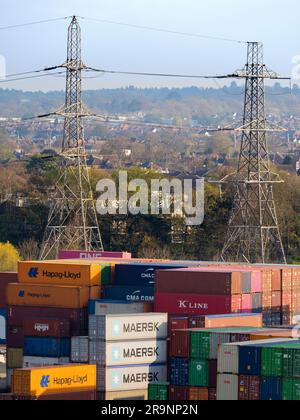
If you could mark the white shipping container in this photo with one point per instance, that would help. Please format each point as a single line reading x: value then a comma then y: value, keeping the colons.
x: 228, y: 354
x: 126, y: 378
x: 122, y: 353
x: 137, y: 395
x: 114, y: 308
x: 228, y: 388
x: 34, y: 362
x: 80, y: 349
x: 128, y: 327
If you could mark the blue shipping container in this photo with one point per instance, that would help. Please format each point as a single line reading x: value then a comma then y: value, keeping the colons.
x: 270, y: 389
x: 179, y: 371
x: 2, y: 326
x: 140, y: 274
x: 129, y: 293
x: 249, y: 360
x: 47, y: 347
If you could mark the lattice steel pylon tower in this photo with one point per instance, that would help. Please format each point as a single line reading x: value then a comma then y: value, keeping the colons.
x: 253, y: 232
x: 72, y: 221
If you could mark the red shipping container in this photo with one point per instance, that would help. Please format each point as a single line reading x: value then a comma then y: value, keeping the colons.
x: 212, y: 394
x: 5, y: 279
x: 249, y: 388
x: 178, y: 323
x: 46, y: 327
x: 247, y: 304
x: 287, y: 280
x: 203, y: 281
x: 276, y: 301
x: 256, y: 282
x: 78, y: 317
x: 179, y: 393
x: 276, y: 280
x: 182, y: 304
x: 14, y: 337
x: 180, y: 344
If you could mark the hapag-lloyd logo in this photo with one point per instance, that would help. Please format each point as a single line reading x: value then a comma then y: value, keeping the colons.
x: 187, y: 304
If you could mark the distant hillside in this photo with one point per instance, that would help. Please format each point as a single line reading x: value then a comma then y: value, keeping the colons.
x: 199, y: 103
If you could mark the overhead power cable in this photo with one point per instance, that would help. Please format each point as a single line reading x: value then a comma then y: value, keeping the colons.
x: 30, y: 77
x: 34, y: 23
x: 168, y: 31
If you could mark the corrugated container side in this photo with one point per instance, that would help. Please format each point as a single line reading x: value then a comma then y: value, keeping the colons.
x: 180, y: 344
x: 249, y: 388
x: 106, y: 307
x: 179, y: 371
x: 136, y: 395
x: 14, y: 358
x: 129, y: 294
x: 179, y: 323
x: 80, y: 349
x: 233, y: 320
x: 47, y: 347
x: 228, y: 388
x: 34, y: 362
x: 179, y: 393
x: 270, y: 389
x: 45, y: 327
x: 198, y: 394
x: 199, y: 373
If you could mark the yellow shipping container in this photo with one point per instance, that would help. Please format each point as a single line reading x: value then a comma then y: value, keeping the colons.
x: 72, y: 297
x: 55, y: 272
x: 54, y: 380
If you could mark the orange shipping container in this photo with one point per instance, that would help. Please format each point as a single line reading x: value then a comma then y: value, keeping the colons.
x: 53, y: 380
x: 72, y: 297
x: 63, y: 274
x: 198, y: 394
x: 270, y: 334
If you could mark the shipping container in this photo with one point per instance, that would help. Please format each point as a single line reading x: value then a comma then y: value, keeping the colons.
x: 68, y: 396
x: 72, y: 297
x: 212, y: 394
x: 180, y: 344
x: 125, y: 353
x: 247, y: 303
x: 46, y: 327
x: 179, y: 393
x: 117, y: 307
x: 125, y: 378
x: 276, y: 280
x: 6, y: 397
x: 199, y: 282
x: 199, y: 373
x: 198, y: 394
x: 47, y: 347
x: 5, y: 279
x: 128, y: 327
x: 136, y: 395
x: 270, y: 389
x: 256, y: 303
x: 228, y: 387
x: 256, y: 282
x: 3, y: 315
x: 158, y: 392
x: 178, y: 323
x: 225, y: 321
x: 182, y: 304
x: 57, y: 273
x: 14, y: 358
x: 129, y: 293
x: 9, y: 378
x: 290, y: 390
x: 276, y: 301
x: 249, y: 388
x: 83, y: 255
x: 34, y: 362
x: 179, y: 371
x: 80, y: 350
x: 53, y: 380
x: 78, y: 317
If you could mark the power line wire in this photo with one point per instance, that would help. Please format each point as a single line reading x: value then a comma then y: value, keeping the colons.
x: 150, y: 28
x: 20, y: 25
x: 30, y: 77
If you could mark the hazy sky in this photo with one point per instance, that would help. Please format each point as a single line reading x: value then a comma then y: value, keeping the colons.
x: 275, y: 22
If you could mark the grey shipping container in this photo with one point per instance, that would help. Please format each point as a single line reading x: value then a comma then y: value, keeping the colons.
x: 128, y: 327
x: 80, y: 349
x: 127, y: 352
x: 111, y: 307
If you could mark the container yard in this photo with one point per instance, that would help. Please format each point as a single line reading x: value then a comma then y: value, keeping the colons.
x: 115, y: 328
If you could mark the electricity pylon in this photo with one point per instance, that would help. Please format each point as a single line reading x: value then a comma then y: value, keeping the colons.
x: 253, y: 232
x: 72, y: 221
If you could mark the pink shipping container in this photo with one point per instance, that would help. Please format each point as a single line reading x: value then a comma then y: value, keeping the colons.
x: 256, y: 282
x: 246, y: 304
x: 84, y: 255
x: 182, y: 304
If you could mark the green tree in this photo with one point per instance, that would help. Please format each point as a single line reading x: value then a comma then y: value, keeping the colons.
x: 9, y: 257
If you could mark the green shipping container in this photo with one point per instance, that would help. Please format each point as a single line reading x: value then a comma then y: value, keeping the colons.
x: 105, y: 275
x: 290, y: 390
x: 281, y: 360
x: 158, y: 392
x: 271, y: 361
x: 199, y: 373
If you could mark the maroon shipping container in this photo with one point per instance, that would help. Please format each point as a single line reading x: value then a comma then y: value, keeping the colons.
x: 71, y: 396
x: 212, y: 394
x: 178, y: 323
x: 199, y: 281
x: 180, y: 344
x: 249, y: 388
x: 197, y: 322
x: 46, y: 327
x: 78, y: 317
x: 212, y: 373
x: 14, y: 336
x: 182, y: 304
x: 5, y: 279
x: 276, y: 301
x: 179, y: 393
